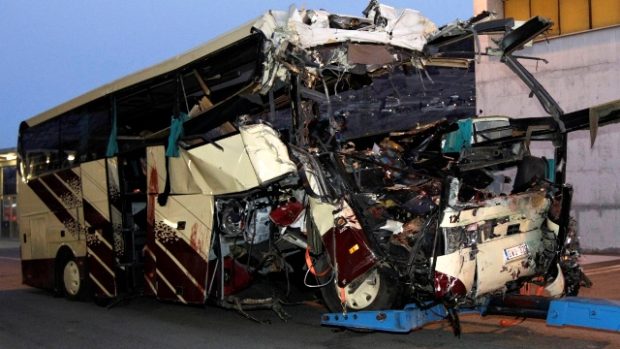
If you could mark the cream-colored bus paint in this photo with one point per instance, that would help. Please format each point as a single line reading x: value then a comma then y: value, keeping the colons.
x: 223, y: 168
x: 458, y: 265
x: 493, y: 274
x: 322, y: 215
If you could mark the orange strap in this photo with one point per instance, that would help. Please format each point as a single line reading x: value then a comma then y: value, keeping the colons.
x: 310, y: 265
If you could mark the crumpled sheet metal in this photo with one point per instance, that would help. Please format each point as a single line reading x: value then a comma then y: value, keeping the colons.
x: 405, y: 28
x: 267, y: 153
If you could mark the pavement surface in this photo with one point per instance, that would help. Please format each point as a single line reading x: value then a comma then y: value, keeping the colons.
x: 9, y: 244
x: 32, y: 318
x: 596, y: 259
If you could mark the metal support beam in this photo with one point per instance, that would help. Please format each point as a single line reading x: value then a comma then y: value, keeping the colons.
x: 548, y: 103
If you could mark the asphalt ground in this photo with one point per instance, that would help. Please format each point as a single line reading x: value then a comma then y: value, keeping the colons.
x: 32, y: 318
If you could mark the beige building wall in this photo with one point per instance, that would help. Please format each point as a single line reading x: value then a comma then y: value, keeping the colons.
x: 583, y: 70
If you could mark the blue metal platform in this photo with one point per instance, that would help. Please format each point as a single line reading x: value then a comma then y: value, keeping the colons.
x: 403, y: 321
x: 600, y: 314
x: 590, y: 313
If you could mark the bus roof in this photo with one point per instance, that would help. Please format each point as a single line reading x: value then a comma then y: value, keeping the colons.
x: 167, y: 66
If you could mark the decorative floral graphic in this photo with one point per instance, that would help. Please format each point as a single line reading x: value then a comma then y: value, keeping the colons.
x: 92, y: 239
x: 74, y: 228
x: 165, y: 233
x: 69, y: 200
x: 75, y: 186
x: 119, y: 244
x: 115, y: 192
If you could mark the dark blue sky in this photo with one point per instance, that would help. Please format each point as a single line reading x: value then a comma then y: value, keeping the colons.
x: 52, y: 51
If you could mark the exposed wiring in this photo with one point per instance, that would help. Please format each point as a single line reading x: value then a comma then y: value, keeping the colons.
x: 311, y: 268
x: 331, y: 278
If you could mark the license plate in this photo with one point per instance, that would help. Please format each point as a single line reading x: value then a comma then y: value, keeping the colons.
x: 516, y: 252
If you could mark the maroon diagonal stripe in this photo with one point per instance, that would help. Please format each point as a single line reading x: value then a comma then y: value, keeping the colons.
x: 178, y: 278
x: 50, y: 201
x: 92, y: 216
x: 68, y: 176
x: 188, y: 257
x: 102, y: 275
x: 56, y: 186
x: 98, y: 221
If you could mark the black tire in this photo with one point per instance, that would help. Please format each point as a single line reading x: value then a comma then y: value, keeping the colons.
x: 72, y: 282
x: 377, y: 290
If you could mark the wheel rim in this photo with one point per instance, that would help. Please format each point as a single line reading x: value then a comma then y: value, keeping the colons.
x: 71, y: 278
x: 362, y: 296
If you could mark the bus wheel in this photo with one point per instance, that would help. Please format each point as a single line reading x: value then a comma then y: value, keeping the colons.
x: 72, y: 280
x: 377, y: 290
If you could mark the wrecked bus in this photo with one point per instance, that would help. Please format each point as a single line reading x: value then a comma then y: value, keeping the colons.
x: 349, y: 143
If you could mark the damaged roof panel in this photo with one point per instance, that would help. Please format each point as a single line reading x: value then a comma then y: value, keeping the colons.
x: 309, y: 28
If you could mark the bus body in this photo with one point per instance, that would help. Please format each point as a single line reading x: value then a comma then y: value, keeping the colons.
x: 104, y: 205
x: 90, y: 222
x: 351, y: 139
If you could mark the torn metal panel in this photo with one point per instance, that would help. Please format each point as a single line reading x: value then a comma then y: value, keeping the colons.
x: 525, y: 33
x: 505, y: 260
x: 183, y: 180
x: 522, y: 206
x: 322, y: 215
x: 267, y: 153
x: 505, y: 233
x: 223, y: 166
x: 305, y: 29
x: 601, y: 112
x: 460, y: 265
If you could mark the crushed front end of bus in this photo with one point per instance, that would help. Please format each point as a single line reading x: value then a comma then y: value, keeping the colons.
x: 402, y: 196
